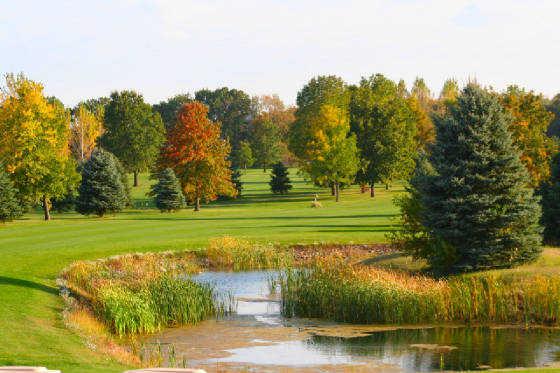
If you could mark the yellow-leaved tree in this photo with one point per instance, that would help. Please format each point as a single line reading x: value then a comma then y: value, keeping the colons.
x: 85, y: 129
x: 34, y: 143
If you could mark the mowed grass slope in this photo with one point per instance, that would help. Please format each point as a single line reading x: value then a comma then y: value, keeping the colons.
x: 33, y: 252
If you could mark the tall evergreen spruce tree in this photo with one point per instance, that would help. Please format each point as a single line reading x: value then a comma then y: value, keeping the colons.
x: 477, y: 206
x: 101, y: 190
x: 9, y: 202
x: 550, y: 192
x: 279, y: 180
x: 167, y: 192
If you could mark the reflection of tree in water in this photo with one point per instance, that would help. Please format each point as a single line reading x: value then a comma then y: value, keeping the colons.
x: 498, y: 348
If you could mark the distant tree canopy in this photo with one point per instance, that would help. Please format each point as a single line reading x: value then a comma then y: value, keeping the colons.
x: 385, y: 125
x: 554, y: 107
x: 473, y: 204
x: 169, y: 109
x: 198, y: 156
x: 133, y: 132
x: 231, y: 108
x: 85, y: 129
x: 530, y: 123
x: 34, y: 142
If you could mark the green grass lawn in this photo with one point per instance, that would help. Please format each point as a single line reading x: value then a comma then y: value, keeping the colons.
x: 33, y: 252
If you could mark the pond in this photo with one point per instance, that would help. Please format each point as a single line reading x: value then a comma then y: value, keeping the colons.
x: 257, y: 338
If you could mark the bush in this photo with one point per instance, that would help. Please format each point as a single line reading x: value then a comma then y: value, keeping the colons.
x: 167, y: 192
x: 279, y: 180
x: 101, y: 190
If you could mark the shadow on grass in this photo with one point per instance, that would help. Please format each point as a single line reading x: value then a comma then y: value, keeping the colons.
x: 28, y: 284
x: 132, y: 216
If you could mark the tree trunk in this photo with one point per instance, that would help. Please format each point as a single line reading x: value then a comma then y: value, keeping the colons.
x: 386, y: 186
x: 197, y: 204
x: 46, y: 208
x: 337, y: 192
x: 136, y: 178
x: 333, y: 191
x: 372, y: 190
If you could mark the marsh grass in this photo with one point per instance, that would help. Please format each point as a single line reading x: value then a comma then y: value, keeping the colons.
x: 335, y: 290
x: 238, y: 254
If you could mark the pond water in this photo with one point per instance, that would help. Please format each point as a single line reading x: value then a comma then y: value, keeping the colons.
x: 257, y: 338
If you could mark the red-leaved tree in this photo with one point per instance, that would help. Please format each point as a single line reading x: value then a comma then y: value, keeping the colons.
x: 197, y: 154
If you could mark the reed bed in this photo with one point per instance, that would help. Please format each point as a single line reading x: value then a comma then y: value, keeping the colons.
x: 142, y: 293
x: 335, y: 290
x: 233, y: 253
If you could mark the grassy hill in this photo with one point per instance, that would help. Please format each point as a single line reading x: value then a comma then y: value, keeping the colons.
x: 33, y: 252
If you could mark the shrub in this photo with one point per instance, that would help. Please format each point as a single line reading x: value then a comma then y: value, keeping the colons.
x: 101, y: 190
x: 167, y: 192
x: 279, y: 180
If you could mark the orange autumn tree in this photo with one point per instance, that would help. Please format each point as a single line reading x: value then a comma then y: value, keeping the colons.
x: 197, y: 154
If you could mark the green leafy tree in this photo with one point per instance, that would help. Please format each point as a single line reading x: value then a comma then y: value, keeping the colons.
x: 477, y: 206
x: 34, y: 142
x: 232, y: 109
x: 422, y: 93
x: 245, y: 157
x: 385, y: 125
x: 279, y: 179
x: 169, y: 109
x: 167, y: 192
x: 550, y: 192
x: 265, y: 142
x: 101, y: 190
x: 9, y: 203
x: 133, y: 132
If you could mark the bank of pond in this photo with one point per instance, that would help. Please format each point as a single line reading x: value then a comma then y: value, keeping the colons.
x: 237, y: 303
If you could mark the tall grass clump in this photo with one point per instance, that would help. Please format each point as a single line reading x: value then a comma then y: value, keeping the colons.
x: 237, y: 254
x: 142, y: 293
x: 334, y: 290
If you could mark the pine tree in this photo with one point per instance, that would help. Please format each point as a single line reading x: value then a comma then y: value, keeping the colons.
x: 101, y: 190
x: 9, y: 202
x: 279, y: 180
x: 477, y: 207
x: 550, y: 202
x: 236, y: 181
x: 167, y: 192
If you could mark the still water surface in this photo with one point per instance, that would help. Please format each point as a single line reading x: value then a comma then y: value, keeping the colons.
x: 258, y: 338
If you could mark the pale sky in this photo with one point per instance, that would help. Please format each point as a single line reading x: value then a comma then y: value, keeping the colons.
x: 84, y: 49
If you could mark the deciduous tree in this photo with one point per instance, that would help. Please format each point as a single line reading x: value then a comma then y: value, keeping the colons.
x: 85, y: 129
x: 169, y: 109
x: 530, y: 123
x: 198, y: 156
x: 9, y: 203
x: 34, y: 142
x: 245, y: 155
x: 385, y: 125
x: 265, y: 141
x: 133, y: 132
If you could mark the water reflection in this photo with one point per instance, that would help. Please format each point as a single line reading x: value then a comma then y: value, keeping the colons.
x: 258, y: 335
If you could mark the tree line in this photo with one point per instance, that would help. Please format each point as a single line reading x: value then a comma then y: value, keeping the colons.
x: 371, y: 133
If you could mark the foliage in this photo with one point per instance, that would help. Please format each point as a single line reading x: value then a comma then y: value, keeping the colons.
x: 265, y: 136
x: 334, y: 290
x: 241, y: 255
x: 167, y: 192
x: 450, y: 91
x: 101, y: 190
x: 34, y: 143
x: 477, y: 206
x: 231, y: 108
x: 236, y: 181
x: 197, y: 155
x: 530, y: 123
x: 168, y: 110
x: 385, y: 125
x: 85, y: 129
x: 554, y: 107
x: 245, y: 155
x: 550, y: 202
x: 421, y: 92
x: 9, y: 203
x: 133, y: 132
x: 425, y: 130
x: 279, y: 180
